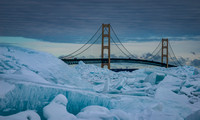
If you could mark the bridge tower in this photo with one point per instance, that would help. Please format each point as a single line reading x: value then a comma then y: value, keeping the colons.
x: 105, y: 44
x: 164, y: 53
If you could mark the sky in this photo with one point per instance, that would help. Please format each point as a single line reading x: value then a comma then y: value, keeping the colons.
x: 68, y: 22
x: 76, y: 20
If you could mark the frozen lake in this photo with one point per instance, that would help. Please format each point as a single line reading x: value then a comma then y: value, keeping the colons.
x: 36, y: 85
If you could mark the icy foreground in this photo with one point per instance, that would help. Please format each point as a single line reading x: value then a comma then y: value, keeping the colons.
x: 36, y: 85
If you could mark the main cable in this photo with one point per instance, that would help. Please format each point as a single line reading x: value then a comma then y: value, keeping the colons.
x: 88, y: 46
x: 174, y: 54
x: 172, y: 60
x: 121, y: 42
x: 85, y: 43
x: 119, y: 48
x: 155, y: 55
x: 155, y: 50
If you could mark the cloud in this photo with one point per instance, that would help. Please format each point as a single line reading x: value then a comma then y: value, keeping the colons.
x: 149, y: 56
x: 183, y: 61
x: 173, y: 61
x: 66, y: 21
x: 195, y: 62
x: 146, y: 56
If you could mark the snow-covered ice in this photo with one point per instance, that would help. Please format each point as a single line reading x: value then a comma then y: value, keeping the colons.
x: 25, y: 115
x: 96, y: 113
x: 5, y: 88
x: 36, y: 85
x: 56, y: 110
x: 36, y: 66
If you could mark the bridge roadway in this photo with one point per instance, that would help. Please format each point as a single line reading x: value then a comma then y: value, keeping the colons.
x: 114, y: 60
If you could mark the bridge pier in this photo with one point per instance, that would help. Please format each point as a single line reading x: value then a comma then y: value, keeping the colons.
x: 164, y: 53
x: 103, y: 47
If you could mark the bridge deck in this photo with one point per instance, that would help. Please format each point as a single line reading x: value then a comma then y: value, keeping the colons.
x: 114, y: 60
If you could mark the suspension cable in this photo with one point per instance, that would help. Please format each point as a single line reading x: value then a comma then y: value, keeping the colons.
x: 119, y: 48
x: 155, y: 55
x: 174, y: 54
x: 88, y: 46
x: 85, y: 43
x: 121, y: 42
x: 155, y: 50
x: 172, y: 60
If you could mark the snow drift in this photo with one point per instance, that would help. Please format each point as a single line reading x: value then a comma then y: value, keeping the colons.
x: 29, y: 65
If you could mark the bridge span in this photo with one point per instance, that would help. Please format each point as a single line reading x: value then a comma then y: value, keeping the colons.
x: 114, y: 60
x: 163, y: 51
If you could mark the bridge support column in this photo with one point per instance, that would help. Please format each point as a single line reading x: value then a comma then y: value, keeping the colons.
x: 105, y: 38
x: 164, y: 53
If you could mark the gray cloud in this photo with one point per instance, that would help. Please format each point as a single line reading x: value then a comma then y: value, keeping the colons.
x: 172, y: 60
x: 195, y: 62
x: 66, y: 21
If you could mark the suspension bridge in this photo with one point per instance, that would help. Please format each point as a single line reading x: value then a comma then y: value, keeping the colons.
x: 105, y: 41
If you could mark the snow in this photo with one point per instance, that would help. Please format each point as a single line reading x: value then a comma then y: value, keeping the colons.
x: 25, y: 115
x: 36, y: 66
x: 193, y: 116
x: 40, y: 85
x: 96, y: 113
x: 56, y: 110
x: 5, y: 88
x: 154, y: 78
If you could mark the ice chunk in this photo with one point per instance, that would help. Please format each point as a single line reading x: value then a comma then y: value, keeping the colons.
x: 155, y: 78
x: 26, y: 115
x: 196, y: 71
x: 60, y: 99
x: 79, y: 100
x: 5, y: 88
x: 158, y: 107
x: 193, y: 116
x: 162, y: 92
x: 27, y: 95
x: 96, y: 113
x: 56, y: 110
x: 163, y: 116
x: 193, y: 100
x: 120, y: 114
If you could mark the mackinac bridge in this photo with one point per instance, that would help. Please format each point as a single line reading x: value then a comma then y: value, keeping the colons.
x: 105, y: 48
